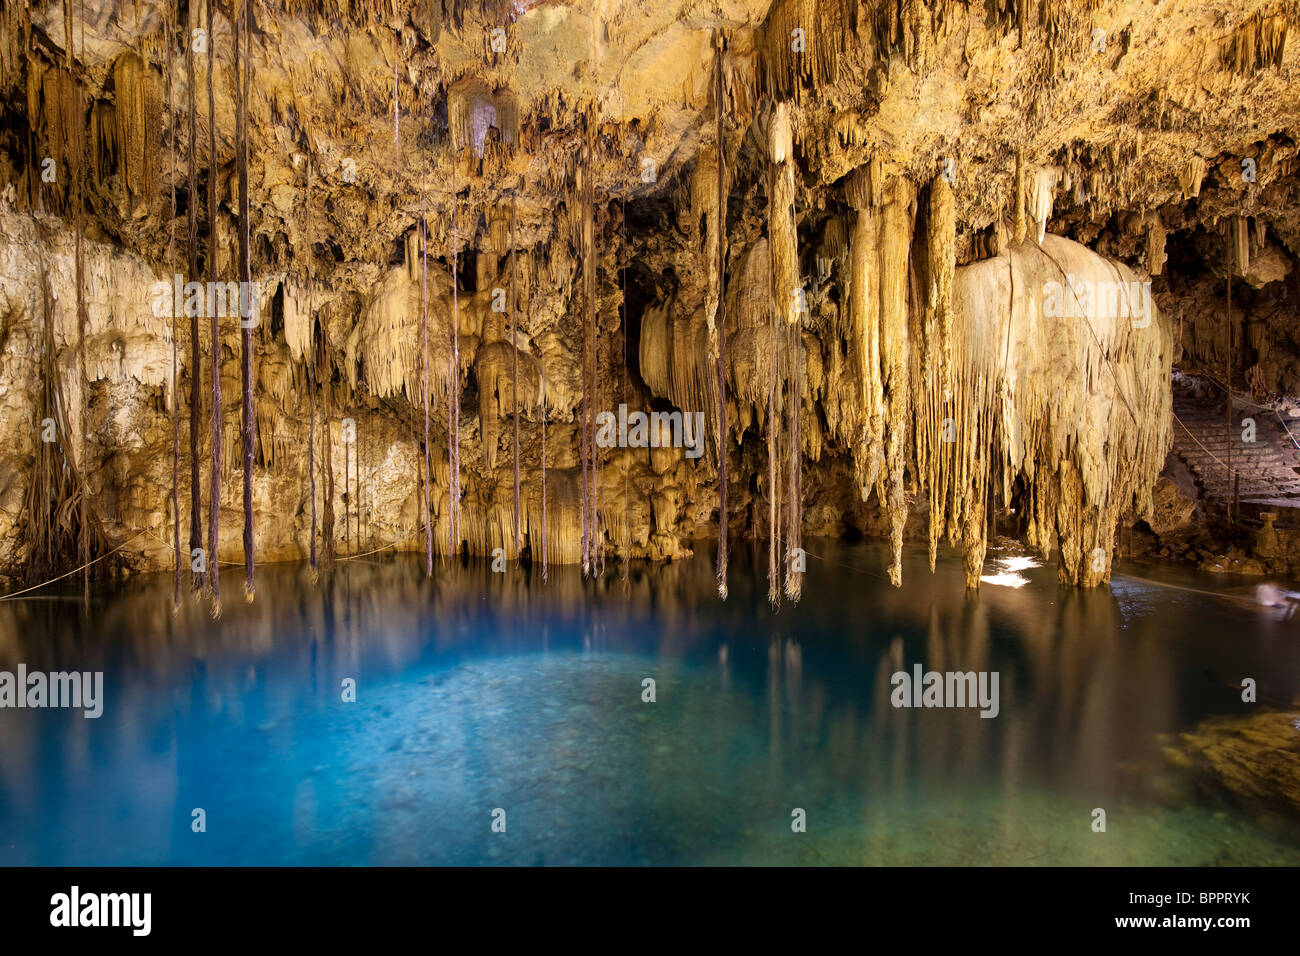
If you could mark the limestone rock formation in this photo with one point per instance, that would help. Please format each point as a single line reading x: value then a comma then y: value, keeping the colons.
x: 1253, y: 762
x: 917, y: 264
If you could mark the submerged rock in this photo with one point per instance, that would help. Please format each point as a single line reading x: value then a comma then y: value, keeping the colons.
x: 1252, y: 761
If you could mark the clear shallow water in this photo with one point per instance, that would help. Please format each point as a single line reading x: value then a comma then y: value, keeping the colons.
x: 478, y: 691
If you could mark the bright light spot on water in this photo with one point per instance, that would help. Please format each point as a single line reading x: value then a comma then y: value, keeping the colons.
x: 1018, y: 563
x: 1005, y: 580
x: 1007, y: 571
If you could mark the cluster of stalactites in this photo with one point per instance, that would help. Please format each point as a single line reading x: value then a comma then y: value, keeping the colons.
x: 1259, y: 42
x: 933, y: 393
x: 475, y: 110
x: 15, y: 41
x: 966, y: 374
x: 705, y: 206
x: 879, y: 245
x: 781, y: 223
x: 801, y: 44
x: 114, y: 138
x: 54, y: 98
x: 1055, y: 394
x: 987, y: 385
x: 1034, y: 194
x: 135, y: 115
x: 494, y: 369
x: 675, y: 354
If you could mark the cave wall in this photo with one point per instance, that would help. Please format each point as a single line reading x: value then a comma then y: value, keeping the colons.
x: 871, y: 197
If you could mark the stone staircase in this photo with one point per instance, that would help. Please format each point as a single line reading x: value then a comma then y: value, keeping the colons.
x: 1267, y: 470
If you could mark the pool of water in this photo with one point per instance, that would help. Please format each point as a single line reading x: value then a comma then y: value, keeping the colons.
x: 486, y: 697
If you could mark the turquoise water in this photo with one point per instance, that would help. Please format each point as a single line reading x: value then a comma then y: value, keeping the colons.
x: 478, y: 692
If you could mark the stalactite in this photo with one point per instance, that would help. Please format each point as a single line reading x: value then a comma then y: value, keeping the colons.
x: 895, y: 243
x: 1070, y: 434
x: 514, y: 372
x: 311, y: 377
x: 425, y: 461
x: 545, y: 560
x: 356, y: 486
x: 327, y: 499
x: 1021, y: 224
x: 1239, y: 259
x: 558, y: 511
x: 588, y: 444
x: 347, y: 494
x: 1257, y: 42
x: 135, y: 111
x: 15, y: 40
x: 1239, y: 263
x: 583, y: 454
x: 864, y: 326
x: 597, y: 456
x: 774, y: 414
x: 242, y: 61
x: 1190, y: 177
x: 1155, y: 243
x: 720, y: 326
x: 473, y: 108
x: 214, y: 492
x: 974, y: 417
x: 196, y: 349
x: 55, y: 103
x: 933, y: 397
x: 83, y: 383
x: 677, y: 357
x: 787, y: 67
x: 794, y: 480
x: 363, y: 516
x: 1039, y: 198
x: 879, y: 320
x: 175, y: 394
x: 625, y: 534
x: 790, y: 303
x: 397, y: 62
x: 453, y: 411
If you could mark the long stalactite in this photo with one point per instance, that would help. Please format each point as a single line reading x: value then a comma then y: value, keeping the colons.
x: 932, y: 396
x: 453, y: 394
x: 587, y: 234
x: 790, y: 304
x: 248, y: 296
x: 514, y: 370
x: 214, y: 487
x: 544, y: 542
x: 426, y: 462
x: 720, y: 324
x: 171, y: 243
x: 310, y: 363
x: 83, y: 373
x: 775, y: 320
x: 893, y: 283
x: 192, y: 262
x: 325, y: 376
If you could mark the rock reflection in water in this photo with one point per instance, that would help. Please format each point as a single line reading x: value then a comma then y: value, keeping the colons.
x: 479, y: 690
